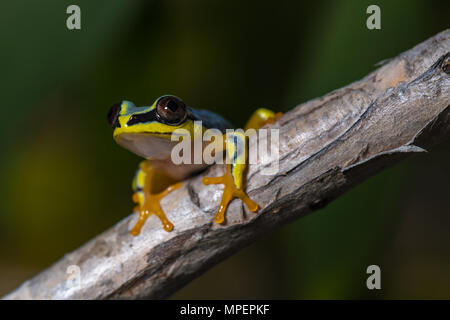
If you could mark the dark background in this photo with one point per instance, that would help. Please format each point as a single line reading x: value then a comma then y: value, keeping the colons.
x: 63, y: 179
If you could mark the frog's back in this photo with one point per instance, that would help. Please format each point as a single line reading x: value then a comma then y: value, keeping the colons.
x: 210, y: 119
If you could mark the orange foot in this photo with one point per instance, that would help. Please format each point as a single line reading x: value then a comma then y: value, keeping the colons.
x: 229, y: 193
x: 151, y: 206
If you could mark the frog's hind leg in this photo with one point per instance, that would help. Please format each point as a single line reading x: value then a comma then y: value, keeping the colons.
x: 150, y: 186
x: 261, y: 117
x: 233, y: 179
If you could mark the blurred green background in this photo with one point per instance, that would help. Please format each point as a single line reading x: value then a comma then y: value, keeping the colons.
x: 64, y: 180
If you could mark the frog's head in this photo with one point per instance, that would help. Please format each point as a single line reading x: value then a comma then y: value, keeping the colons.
x: 147, y: 131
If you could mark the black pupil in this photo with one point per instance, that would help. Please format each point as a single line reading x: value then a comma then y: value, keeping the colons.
x: 172, y: 105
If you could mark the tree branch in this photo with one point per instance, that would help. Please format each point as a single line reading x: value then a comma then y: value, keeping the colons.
x: 327, y: 146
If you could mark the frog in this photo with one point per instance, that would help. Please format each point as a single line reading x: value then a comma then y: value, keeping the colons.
x: 147, y: 131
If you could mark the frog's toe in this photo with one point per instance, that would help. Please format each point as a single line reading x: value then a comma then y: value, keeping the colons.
x: 230, y: 192
x: 151, y: 205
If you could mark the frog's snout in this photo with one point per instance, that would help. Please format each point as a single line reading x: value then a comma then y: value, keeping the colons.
x: 113, y: 115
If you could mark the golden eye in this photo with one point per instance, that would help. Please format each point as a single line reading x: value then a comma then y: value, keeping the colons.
x: 171, y: 110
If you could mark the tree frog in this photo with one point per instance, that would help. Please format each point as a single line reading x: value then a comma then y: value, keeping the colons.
x: 147, y: 131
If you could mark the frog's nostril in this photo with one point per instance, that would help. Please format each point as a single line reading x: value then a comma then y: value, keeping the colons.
x: 113, y: 115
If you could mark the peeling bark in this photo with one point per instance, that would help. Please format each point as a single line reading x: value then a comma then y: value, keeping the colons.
x: 327, y: 145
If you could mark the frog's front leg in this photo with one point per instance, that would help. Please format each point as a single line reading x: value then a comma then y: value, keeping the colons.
x: 233, y: 179
x: 237, y: 148
x: 151, y: 185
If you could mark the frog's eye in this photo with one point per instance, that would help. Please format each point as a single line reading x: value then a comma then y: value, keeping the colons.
x: 113, y: 115
x: 171, y: 110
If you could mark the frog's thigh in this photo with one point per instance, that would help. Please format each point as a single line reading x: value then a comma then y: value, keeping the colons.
x: 261, y: 117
